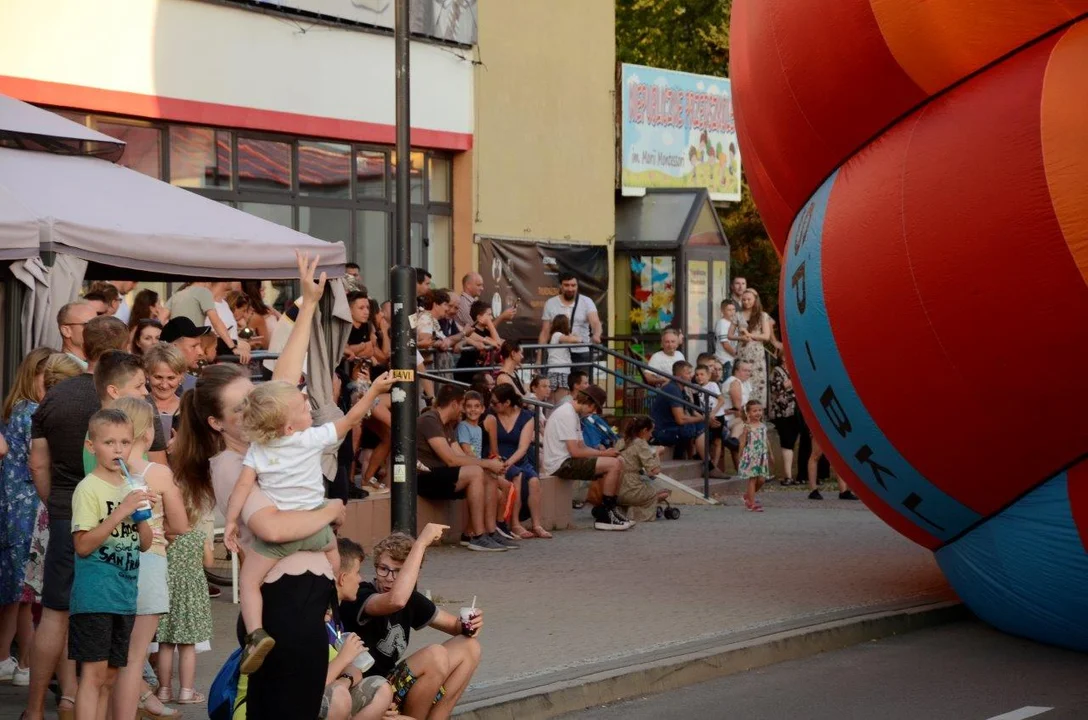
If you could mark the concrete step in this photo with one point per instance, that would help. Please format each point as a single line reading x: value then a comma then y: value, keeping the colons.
x: 682, y: 469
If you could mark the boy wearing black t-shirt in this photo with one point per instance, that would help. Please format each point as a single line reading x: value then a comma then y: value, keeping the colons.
x: 428, y: 683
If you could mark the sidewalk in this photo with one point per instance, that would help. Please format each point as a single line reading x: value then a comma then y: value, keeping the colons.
x: 589, y: 600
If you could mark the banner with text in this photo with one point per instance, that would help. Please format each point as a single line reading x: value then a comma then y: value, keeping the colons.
x: 523, y: 275
x: 677, y: 130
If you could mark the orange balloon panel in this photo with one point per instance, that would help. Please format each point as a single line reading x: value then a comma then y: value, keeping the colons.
x: 939, y: 42
x: 1065, y: 140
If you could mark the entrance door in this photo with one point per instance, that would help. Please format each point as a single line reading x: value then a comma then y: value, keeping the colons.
x: 706, y: 284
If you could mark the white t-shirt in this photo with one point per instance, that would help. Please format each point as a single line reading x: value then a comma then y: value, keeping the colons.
x: 559, y: 354
x: 579, y: 324
x: 225, y: 314
x: 563, y: 425
x: 715, y: 391
x: 289, y: 468
x: 721, y: 332
x: 745, y: 394
x: 663, y: 363
x: 124, y: 312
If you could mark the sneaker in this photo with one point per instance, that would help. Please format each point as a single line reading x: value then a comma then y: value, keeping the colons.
x: 847, y: 495
x: 505, y: 542
x: 619, y: 514
x: 258, y: 644
x: 485, y: 543
x: 465, y: 540
x: 504, y: 530
x: 815, y: 495
x: 214, y: 591
x: 612, y: 520
x: 8, y: 668
x: 21, y: 678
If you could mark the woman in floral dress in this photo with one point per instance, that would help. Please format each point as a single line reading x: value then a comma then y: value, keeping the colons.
x: 18, y: 510
x: 756, y: 330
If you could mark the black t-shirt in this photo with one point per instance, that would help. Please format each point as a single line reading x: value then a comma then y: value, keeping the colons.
x: 359, y: 334
x: 386, y: 637
x: 62, y: 420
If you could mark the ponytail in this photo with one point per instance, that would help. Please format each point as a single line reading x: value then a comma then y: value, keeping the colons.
x: 636, y: 425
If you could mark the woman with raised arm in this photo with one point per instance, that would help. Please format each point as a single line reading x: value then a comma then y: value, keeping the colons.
x: 207, y: 458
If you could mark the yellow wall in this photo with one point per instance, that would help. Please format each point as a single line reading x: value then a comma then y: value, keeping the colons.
x: 545, y: 125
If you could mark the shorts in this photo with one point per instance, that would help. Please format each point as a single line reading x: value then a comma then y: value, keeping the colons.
x: 675, y: 435
x: 789, y: 430
x: 98, y: 637
x: 317, y: 542
x: 440, y: 484
x: 578, y: 469
x: 153, y: 597
x: 401, y: 680
x: 59, y: 569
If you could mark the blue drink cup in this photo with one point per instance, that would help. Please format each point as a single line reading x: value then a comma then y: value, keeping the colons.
x: 143, y: 512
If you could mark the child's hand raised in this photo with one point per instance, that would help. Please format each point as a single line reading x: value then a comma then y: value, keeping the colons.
x: 432, y: 533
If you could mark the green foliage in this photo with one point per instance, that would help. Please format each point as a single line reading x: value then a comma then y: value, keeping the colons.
x: 693, y: 36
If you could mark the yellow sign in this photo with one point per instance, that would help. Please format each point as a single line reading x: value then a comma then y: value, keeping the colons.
x: 404, y: 375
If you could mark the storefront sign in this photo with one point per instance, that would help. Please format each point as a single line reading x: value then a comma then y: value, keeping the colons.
x: 523, y: 275
x: 677, y: 130
x: 450, y: 20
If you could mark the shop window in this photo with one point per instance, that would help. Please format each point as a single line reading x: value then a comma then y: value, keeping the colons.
x: 200, y: 157
x: 416, y: 162
x: 279, y: 214
x: 143, y: 146
x: 331, y: 224
x: 439, y: 179
x: 264, y: 164
x: 370, y: 174
x: 440, y: 250
x: 653, y: 292
x: 324, y: 169
x: 371, y: 251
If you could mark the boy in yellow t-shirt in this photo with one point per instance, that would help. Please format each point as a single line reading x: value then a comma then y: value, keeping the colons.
x: 108, y: 541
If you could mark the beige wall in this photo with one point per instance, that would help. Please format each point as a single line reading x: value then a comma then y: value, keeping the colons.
x: 544, y: 151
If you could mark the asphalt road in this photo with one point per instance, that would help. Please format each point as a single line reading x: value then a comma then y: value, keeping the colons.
x: 965, y: 671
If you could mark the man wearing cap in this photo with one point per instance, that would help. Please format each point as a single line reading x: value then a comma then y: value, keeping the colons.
x: 183, y: 334
x: 197, y: 302
x: 566, y: 456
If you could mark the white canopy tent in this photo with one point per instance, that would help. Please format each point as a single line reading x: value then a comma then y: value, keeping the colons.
x: 57, y: 195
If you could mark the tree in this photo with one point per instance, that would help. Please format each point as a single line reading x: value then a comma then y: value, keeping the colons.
x: 693, y: 36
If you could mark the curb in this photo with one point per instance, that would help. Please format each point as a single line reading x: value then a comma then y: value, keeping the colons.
x: 550, y: 696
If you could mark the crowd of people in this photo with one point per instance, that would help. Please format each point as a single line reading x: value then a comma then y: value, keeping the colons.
x: 122, y: 446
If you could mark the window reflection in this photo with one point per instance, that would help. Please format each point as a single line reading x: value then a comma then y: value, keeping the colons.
x: 330, y: 224
x: 439, y: 179
x: 371, y: 251
x: 370, y: 173
x: 279, y: 214
x: 324, y: 169
x: 199, y: 157
x: 416, y: 160
x: 440, y: 250
x: 264, y: 164
x: 143, y: 146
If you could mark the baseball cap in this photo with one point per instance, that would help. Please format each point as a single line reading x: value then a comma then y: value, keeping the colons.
x: 180, y: 327
x: 596, y: 394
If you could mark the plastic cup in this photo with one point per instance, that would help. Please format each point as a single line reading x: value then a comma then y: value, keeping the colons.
x: 467, y: 614
x: 363, y: 661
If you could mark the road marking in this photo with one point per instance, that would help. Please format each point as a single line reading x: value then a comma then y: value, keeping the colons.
x: 1023, y: 713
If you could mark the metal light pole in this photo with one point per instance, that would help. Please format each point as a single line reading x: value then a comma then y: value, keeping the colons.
x: 402, y: 285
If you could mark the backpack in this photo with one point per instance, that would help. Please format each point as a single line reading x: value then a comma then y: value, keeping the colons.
x: 223, y: 694
x: 596, y: 433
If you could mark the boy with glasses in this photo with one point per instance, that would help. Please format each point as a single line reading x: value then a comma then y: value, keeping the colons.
x: 428, y: 683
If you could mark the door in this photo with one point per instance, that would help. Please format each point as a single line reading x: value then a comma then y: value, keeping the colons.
x: 706, y: 284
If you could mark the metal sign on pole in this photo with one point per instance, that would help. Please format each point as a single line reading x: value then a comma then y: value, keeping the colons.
x: 402, y: 285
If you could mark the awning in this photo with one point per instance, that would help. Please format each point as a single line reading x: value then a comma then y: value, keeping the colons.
x: 30, y: 128
x: 667, y: 219
x: 108, y: 214
x: 18, y: 231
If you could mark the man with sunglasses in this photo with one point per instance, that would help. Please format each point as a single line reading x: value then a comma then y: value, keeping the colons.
x: 429, y: 682
x: 70, y: 320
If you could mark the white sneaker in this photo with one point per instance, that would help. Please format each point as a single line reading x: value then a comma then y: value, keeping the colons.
x: 8, y: 668
x: 21, y: 677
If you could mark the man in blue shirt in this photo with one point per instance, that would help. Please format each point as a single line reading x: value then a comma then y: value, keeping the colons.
x: 673, y: 422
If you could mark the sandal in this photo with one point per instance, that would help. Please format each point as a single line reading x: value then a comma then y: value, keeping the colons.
x: 145, y: 714
x: 189, y: 696
x: 522, y: 533
x: 165, y: 694
x: 376, y: 485
x: 541, y: 533
x: 66, y: 713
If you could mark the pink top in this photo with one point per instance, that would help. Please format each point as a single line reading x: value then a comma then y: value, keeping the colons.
x: 226, y: 467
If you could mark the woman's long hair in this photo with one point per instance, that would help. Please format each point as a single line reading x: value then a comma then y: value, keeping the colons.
x: 25, y: 386
x: 197, y: 442
x: 252, y: 290
x: 141, y: 307
x: 755, y: 316
x: 636, y: 425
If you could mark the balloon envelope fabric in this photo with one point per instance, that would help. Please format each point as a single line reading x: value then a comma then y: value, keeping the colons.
x: 921, y: 166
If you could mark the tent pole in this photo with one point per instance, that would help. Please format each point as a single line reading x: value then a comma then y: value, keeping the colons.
x: 402, y: 284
